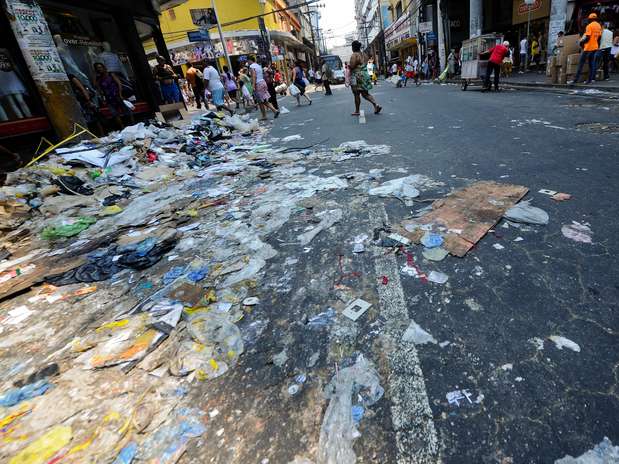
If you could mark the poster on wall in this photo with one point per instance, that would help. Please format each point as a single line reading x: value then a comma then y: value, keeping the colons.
x: 35, y: 41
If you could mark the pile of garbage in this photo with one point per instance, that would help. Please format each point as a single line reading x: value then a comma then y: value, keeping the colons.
x: 130, y: 270
x: 126, y: 265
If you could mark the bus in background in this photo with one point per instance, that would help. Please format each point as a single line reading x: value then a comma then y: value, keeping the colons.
x: 335, y: 63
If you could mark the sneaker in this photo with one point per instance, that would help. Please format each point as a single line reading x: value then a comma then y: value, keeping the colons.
x: 572, y: 83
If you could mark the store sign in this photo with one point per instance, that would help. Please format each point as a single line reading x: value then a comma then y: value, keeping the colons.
x: 404, y: 28
x: 425, y: 27
x: 35, y: 41
x: 539, y: 9
x: 198, y: 36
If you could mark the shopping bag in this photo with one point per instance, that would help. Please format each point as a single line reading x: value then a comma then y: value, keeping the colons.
x: 294, y: 90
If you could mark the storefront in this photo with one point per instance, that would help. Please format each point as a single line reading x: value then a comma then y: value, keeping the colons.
x: 74, y: 35
x: 400, y: 38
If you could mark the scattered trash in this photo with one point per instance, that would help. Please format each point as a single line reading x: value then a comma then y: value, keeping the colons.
x: 498, y: 246
x: 356, y: 309
x: 527, y: 214
x: 252, y: 301
x: 430, y: 240
x: 562, y: 342
x: 292, y: 138
x: 404, y: 188
x: 578, y: 232
x: 473, y: 305
x: 17, y: 395
x: 415, y: 334
x: 322, y: 319
x: 338, y: 429
x: 435, y: 254
x: 548, y: 192
x: 454, y: 397
x: 561, y: 197
x: 602, y: 453
x: 328, y: 219
x: 438, y: 277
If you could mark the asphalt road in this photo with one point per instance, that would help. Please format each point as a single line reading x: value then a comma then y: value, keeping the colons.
x: 530, y: 402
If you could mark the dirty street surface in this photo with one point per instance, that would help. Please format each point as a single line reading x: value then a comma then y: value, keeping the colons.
x: 436, y: 284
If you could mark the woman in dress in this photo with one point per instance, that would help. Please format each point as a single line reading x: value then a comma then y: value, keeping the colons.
x: 230, y: 85
x: 360, y: 81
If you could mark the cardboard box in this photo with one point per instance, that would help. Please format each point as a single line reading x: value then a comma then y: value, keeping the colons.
x: 571, y: 44
x: 562, y: 78
x: 554, y: 74
x: 573, y: 59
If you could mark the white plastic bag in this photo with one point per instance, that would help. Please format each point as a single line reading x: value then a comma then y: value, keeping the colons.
x: 525, y: 213
x: 294, y: 90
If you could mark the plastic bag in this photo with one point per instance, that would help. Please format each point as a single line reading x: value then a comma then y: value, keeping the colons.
x: 338, y: 429
x: 294, y: 90
x: 525, y: 213
x: 215, y: 330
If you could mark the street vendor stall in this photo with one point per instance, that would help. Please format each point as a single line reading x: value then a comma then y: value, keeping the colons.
x: 473, y: 66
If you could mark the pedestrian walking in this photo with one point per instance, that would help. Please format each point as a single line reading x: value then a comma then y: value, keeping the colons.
x: 327, y: 76
x: 371, y: 70
x: 298, y: 78
x: 360, y: 81
x: 425, y: 68
x: 451, y: 63
x: 535, y: 53
x: 590, y: 45
x: 614, y: 54
x: 408, y: 73
x: 261, y: 90
x: 524, y: 47
x: 269, y: 77
x: 394, y: 69
x: 247, y: 90
x: 167, y: 79
x: 213, y: 81
x: 603, y: 54
x: 497, y: 54
x: 230, y: 85
x: 195, y: 79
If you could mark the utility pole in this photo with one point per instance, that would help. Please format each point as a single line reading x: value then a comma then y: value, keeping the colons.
x: 309, y: 18
x: 221, y: 35
x: 383, y: 48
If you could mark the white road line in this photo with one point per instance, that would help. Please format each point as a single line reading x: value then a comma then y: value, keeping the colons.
x: 416, y: 437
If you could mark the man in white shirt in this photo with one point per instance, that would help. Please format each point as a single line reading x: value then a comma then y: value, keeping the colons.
x: 524, y: 46
x: 394, y: 69
x: 212, y: 80
x: 261, y: 90
x: 603, y: 54
x: 310, y: 75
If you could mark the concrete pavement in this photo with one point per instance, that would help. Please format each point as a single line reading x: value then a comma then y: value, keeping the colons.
x: 526, y: 400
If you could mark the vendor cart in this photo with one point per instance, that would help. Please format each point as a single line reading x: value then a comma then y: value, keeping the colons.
x: 473, y: 67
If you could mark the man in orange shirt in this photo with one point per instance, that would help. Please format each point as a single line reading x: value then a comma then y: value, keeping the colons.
x: 590, y: 43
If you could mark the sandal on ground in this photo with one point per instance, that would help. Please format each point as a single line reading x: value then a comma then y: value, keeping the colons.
x: 355, y: 114
x: 378, y: 109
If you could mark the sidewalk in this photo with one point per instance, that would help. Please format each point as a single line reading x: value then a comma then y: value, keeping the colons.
x: 532, y: 79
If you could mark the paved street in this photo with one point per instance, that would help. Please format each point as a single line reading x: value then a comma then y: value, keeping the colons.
x: 524, y: 400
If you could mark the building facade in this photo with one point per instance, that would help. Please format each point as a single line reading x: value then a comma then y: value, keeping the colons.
x: 370, y: 16
x: 45, y: 42
x: 279, y: 35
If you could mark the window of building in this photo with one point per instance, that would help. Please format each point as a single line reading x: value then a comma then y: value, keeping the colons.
x: 398, y: 10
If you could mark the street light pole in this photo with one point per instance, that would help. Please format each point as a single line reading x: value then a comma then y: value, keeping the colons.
x: 528, y: 3
x: 221, y: 35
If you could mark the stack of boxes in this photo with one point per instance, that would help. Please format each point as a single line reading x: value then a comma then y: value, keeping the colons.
x: 564, y: 65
